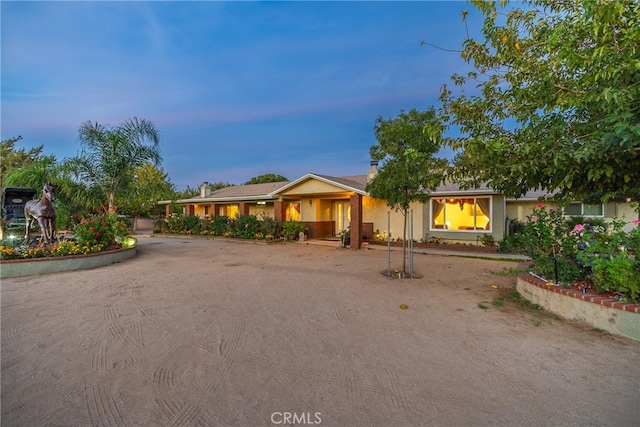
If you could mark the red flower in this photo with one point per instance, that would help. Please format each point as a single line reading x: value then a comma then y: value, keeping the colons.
x: 539, y: 205
x: 92, y: 229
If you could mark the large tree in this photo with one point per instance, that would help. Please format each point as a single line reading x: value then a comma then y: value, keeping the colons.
x: 408, y: 169
x: 110, y: 154
x: 12, y: 158
x: 264, y: 178
x: 554, y: 101
x: 150, y: 183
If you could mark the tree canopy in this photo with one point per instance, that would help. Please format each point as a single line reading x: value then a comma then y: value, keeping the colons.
x: 267, y: 177
x: 408, y: 167
x: 150, y: 183
x: 12, y: 158
x: 110, y: 155
x: 553, y: 102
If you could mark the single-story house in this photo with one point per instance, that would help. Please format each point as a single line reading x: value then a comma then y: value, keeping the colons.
x: 327, y: 205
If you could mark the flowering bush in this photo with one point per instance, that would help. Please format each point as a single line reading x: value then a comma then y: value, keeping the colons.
x: 92, y: 234
x: 605, y: 255
x: 103, y: 229
x: 242, y: 227
x: 611, y: 258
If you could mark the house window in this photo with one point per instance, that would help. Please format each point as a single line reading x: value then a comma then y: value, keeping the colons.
x: 466, y: 214
x: 293, y: 212
x: 583, y: 209
x: 230, y: 211
x: 206, y: 210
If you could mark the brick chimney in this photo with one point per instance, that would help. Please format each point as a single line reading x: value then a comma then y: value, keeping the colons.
x: 205, y: 190
x: 373, y: 171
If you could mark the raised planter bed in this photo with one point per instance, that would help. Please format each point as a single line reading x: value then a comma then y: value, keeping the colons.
x: 46, y: 265
x: 608, y: 314
x: 441, y: 246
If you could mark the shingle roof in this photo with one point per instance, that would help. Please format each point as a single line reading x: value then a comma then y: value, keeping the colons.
x: 248, y: 190
x: 270, y: 190
x: 358, y: 182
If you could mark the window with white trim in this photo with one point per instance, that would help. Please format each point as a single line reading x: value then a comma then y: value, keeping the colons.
x: 464, y: 214
x: 584, y: 209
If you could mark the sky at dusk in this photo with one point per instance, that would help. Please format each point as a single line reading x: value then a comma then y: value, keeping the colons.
x: 236, y: 89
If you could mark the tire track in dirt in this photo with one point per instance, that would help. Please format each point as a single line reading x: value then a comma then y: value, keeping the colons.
x: 229, y: 348
x: 103, y: 408
x: 155, y: 317
x: 164, y: 375
x: 350, y: 383
x: 97, y: 355
x: 350, y: 320
x: 180, y: 414
x: 13, y: 339
x: 396, y: 394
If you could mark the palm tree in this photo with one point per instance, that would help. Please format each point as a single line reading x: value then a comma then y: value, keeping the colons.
x: 111, y: 153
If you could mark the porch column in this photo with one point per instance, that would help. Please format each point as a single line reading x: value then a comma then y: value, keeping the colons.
x: 355, y: 225
x: 167, y: 211
x: 279, y: 211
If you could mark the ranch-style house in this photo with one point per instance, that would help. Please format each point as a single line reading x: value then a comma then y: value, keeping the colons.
x: 327, y: 205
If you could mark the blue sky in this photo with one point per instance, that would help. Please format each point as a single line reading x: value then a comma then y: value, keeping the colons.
x: 236, y: 89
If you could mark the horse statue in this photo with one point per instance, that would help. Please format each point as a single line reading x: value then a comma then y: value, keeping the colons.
x: 44, y: 212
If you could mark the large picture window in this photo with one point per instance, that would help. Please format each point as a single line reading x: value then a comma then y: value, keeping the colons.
x: 466, y: 214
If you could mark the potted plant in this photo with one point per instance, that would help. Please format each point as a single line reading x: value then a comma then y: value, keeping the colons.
x: 345, y: 235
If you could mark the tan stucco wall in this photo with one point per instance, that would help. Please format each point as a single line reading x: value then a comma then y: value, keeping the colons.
x: 308, y: 209
x: 312, y: 186
x: 260, y: 210
x: 375, y: 211
x: 520, y: 210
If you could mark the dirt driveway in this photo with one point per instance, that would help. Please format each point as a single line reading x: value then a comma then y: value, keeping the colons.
x: 211, y: 332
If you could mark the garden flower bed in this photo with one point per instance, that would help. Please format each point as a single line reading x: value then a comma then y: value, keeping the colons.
x: 96, y: 241
x: 56, y: 264
x: 582, y: 254
x: 445, y: 246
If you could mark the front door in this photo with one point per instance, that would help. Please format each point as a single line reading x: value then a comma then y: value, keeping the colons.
x: 342, y: 212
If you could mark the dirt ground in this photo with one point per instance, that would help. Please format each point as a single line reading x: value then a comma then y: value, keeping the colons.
x: 212, y: 332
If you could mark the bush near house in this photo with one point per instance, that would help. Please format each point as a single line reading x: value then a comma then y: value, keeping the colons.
x: 241, y: 227
x: 605, y: 256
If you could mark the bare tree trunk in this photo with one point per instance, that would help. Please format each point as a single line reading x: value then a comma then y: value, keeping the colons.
x: 404, y: 243
x: 112, y: 205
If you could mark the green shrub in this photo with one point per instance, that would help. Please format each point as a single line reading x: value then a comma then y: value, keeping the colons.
x: 103, y: 229
x: 611, y: 257
x: 246, y: 226
x: 291, y: 229
x: 269, y: 227
x: 192, y: 223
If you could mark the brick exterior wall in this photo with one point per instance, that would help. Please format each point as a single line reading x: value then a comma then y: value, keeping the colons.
x: 355, y: 227
x: 279, y: 213
x: 367, y: 230
x: 320, y: 229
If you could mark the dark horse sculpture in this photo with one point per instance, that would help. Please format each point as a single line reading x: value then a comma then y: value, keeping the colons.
x: 44, y: 212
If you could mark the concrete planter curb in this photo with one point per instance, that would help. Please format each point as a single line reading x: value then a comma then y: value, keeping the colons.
x: 607, y: 314
x: 38, y: 266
